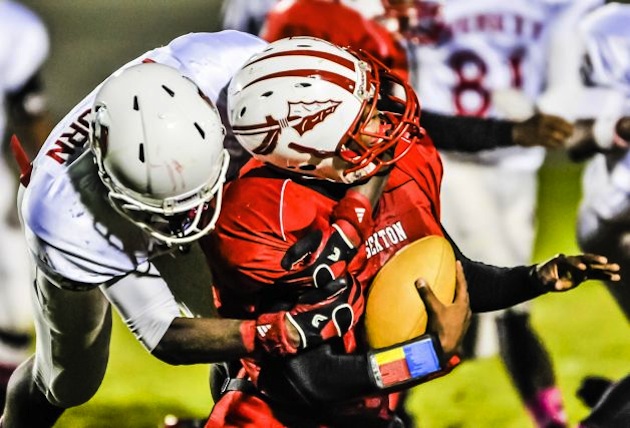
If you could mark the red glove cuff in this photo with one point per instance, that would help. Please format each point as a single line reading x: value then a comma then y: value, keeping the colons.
x: 354, y: 211
x: 271, y: 334
x: 248, y: 335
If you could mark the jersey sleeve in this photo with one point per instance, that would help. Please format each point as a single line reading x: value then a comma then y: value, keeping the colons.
x: 260, y: 219
x: 209, y: 59
x: 76, y: 236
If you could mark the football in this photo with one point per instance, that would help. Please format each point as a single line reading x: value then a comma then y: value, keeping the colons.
x: 394, y: 310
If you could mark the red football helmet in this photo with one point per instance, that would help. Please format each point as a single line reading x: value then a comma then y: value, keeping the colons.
x: 346, y: 23
x: 419, y: 21
x: 310, y: 107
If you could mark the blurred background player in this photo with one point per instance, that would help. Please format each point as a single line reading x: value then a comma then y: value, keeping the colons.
x: 24, y: 47
x: 600, y: 105
x: 245, y: 15
x: 491, y: 62
x: 344, y: 22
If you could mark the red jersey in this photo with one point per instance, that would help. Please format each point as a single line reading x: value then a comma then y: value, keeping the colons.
x: 339, y: 24
x: 264, y: 213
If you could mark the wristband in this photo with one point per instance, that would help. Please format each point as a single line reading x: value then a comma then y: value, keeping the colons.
x: 407, y: 364
x: 355, y: 209
x: 248, y: 335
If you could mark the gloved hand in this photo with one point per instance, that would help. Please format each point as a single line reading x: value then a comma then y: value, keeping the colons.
x: 319, y: 257
x: 322, y: 255
x: 542, y: 130
x: 320, y: 314
x: 562, y: 273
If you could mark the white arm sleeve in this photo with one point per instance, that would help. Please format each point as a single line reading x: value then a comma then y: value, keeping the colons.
x: 146, y: 305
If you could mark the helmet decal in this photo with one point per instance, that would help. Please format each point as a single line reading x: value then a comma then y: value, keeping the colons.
x: 302, y: 117
x: 339, y: 80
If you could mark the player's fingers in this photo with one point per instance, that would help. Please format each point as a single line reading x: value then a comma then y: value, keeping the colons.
x: 328, y: 291
x: 557, y: 123
x: 603, y: 275
x: 593, y: 259
x: 461, y: 285
x: 427, y: 295
x: 556, y: 136
x: 302, y: 248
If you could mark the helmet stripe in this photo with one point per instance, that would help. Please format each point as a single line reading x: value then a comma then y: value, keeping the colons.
x: 344, y: 62
x: 337, y: 79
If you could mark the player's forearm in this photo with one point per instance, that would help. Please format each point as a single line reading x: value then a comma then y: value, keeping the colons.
x: 201, y: 340
x: 466, y: 134
x: 491, y: 287
x: 322, y: 375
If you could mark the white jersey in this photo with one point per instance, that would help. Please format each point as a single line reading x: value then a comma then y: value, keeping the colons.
x: 70, y: 227
x: 606, y: 181
x: 493, y: 65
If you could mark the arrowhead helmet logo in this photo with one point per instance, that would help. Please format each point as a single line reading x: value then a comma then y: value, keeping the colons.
x: 302, y: 117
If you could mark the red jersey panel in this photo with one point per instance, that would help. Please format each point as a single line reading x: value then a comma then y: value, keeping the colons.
x: 264, y: 213
x: 338, y: 24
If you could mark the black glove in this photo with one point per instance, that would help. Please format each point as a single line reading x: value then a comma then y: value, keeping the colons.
x: 325, y: 375
x: 320, y: 314
x: 319, y: 258
x: 562, y: 272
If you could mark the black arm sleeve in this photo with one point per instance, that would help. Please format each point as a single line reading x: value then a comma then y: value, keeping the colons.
x: 316, y: 376
x: 323, y: 375
x: 491, y: 287
x: 466, y: 133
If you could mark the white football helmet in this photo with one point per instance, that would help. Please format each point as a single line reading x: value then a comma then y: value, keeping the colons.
x: 304, y: 104
x: 158, y: 145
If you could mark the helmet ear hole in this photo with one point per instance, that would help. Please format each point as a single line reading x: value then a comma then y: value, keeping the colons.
x: 141, y: 157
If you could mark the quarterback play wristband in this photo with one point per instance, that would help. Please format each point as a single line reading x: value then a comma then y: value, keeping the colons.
x: 407, y: 364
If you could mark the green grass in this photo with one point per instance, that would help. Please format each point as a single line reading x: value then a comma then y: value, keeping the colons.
x: 584, y: 331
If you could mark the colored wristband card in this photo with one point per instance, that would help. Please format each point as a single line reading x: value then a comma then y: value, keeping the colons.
x: 404, y: 363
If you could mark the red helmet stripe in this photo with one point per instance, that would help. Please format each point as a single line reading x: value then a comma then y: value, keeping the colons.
x: 344, y: 62
x: 339, y: 80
